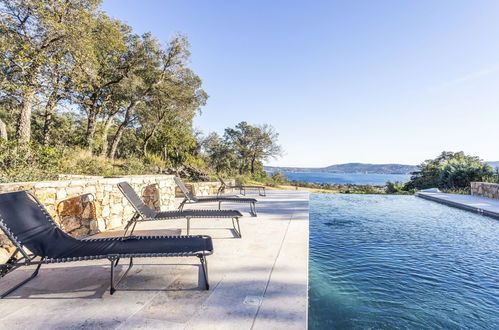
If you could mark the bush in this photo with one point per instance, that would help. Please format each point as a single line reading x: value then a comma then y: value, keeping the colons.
x: 277, y: 179
x: 451, y: 171
x: 396, y: 188
x: 24, y: 162
x: 241, y: 180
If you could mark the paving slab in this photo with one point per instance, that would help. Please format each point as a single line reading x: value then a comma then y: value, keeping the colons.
x: 257, y: 282
x: 482, y: 205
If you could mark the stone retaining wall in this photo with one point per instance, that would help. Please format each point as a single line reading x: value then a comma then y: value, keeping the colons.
x: 89, y: 205
x: 485, y: 189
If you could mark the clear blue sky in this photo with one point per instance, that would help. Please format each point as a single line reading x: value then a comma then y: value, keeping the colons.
x: 342, y: 81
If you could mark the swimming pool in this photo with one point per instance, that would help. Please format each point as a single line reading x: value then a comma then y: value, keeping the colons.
x: 380, y: 261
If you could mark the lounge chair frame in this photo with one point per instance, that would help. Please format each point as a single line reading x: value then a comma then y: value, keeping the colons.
x: 139, y: 216
x: 242, y: 188
x: 27, y: 259
x: 190, y: 198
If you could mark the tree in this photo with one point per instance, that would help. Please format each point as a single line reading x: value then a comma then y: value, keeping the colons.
x: 221, y: 157
x: 252, y: 144
x: 3, y: 131
x: 164, y: 90
x: 107, y: 64
x: 71, y: 76
x: 32, y: 35
x: 449, y: 171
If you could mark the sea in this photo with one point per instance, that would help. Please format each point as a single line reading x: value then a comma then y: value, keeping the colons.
x: 346, y: 178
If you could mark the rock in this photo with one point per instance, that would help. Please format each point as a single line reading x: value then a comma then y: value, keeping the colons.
x: 4, y: 255
x: 106, y: 211
x: 70, y: 206
x: 116, y: 209
x: 4, y: 240
x: 80, y: 232
x: 61, y: 194
x: 70, y: 223
x: 88, y: 211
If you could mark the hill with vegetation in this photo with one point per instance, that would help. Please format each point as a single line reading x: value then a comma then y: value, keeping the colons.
x: 350, y: 168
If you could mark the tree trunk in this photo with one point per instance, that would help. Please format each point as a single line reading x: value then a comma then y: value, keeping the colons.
x: 3, y: 131
x: 49, y: 112
x: 117, y: 139
x: 23, y: 130
x: 147, y: 138
x: 107, y: 126
x: 146, y: 142
x: 91, y: 128
x: 253, y: 165
x: 121, y: 128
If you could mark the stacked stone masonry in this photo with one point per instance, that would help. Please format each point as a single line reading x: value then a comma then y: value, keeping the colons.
x: 84, y: 206
x: 484, y: 189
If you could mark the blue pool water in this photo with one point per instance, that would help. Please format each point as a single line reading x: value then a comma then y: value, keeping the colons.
x: 346, y: 178
x: 384, y: 262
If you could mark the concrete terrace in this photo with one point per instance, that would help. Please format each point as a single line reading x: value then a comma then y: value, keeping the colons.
x: 257, y: 282
x: 482, y: 205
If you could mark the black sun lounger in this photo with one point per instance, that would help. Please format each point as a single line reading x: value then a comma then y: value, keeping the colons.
x: 191, y: 199
x: 242, y: 189
x: 145, y: 213
x: 39, y: 240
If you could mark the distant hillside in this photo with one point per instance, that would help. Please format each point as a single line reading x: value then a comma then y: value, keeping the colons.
x: 493, y: 164
x: 350, y: 168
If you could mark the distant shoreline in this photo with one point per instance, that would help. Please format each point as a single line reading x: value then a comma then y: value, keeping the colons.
x: 348, y: 168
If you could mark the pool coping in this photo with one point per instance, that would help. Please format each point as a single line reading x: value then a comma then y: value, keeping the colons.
x: 481, y: 205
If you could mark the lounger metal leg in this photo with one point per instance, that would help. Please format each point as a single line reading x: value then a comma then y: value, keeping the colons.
x: 220, y: 205
x: 188, y: 225
x: 20, y: 284
x: 253, y: 209
x: 238, y: 229
x: 260, y: 192
x: 132, y: 221
x: 204, y: 265
x: 181, y: 206
x: 114, y: 262
x: 243, y: 191
x: 133, y: 228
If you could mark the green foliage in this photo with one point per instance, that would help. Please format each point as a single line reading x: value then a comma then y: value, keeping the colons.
x: 22, y: 162
x: 396, y: 188
x: 81, y: 93
x: 242, y: 148
x: 72, y: 77
x: 241, y: 180
x: 451, y: 171
x: 277, y: 179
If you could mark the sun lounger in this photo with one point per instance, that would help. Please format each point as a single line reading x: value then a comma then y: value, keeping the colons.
x: 145, y: 213
x: 242, y: 189
x: 39, y: 240
x: 191, y: 199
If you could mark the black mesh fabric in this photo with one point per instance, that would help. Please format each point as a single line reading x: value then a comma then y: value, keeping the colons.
x: 148, y: 213
x: 193, y: 198
x: 184, y: 189
x: 238, y: 187
x: 199, y: 214
x: 225, y: 199
x: 136, y: 201
x: 28, y: 223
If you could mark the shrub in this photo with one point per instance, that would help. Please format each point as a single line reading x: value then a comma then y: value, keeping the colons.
x: 452, y: 171
x: 24, y: 162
